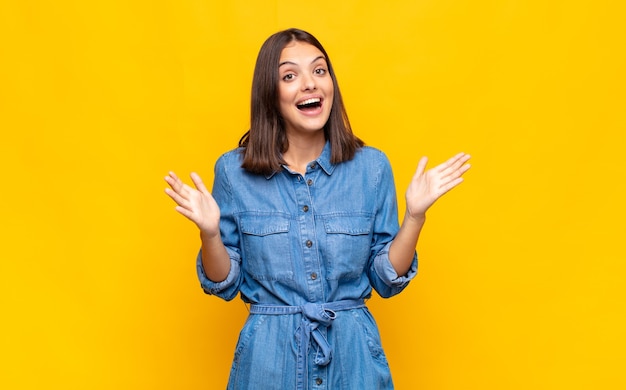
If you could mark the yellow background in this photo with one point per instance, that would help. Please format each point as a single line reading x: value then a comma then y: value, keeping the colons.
x: 521, y: 282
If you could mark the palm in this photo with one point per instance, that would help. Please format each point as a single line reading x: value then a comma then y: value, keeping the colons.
x: 428, y: 186
x: 197, y: 204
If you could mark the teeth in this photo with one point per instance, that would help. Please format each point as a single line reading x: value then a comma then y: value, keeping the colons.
x: 309, y: 101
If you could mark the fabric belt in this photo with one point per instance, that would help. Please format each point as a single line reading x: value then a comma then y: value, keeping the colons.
x: 314, y: 316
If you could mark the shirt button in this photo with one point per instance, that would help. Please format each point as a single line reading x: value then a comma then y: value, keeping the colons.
x: 314, y: 276
x: 312, y: 166
x: 309, y: 182
x: 305, y: 208
x: 318, y: 381
x: 309, y: 243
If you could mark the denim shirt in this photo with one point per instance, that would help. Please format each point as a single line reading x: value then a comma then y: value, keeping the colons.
x: 319, y: 237
x: 305, y: 250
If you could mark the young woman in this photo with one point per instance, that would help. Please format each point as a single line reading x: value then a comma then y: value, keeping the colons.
x: 302, y: 223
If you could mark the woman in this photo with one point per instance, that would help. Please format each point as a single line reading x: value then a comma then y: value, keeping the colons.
x: 302, y: 223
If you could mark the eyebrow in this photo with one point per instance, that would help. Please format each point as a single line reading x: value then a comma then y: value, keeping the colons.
x: 293, y: 63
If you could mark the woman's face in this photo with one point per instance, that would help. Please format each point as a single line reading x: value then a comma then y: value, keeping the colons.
x: 305, y: 88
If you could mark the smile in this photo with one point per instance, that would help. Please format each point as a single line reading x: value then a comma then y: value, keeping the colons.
x: 309, y: 104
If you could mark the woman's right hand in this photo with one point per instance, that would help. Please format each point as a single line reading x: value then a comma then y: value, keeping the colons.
x: 197, y: 204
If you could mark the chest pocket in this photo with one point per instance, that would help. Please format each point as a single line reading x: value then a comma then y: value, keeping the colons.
x: 266, y: 245
x: 348, y: 244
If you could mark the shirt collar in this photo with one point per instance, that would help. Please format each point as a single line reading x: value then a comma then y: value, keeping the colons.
x: 323, y: 161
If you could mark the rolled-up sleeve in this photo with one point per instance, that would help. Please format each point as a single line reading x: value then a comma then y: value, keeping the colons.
x: 381, y: 273
x: 385, y: 279
x: 222, y: 193
x: 229, y: 287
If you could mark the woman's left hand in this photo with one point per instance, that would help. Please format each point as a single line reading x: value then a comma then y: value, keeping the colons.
x: 428, y: 186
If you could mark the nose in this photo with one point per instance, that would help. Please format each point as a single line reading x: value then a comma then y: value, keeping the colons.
x: 308, y: 82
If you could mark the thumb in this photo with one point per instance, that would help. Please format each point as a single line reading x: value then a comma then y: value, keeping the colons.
x: 421, y: 166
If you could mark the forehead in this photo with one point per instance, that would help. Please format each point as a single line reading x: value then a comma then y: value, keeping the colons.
x: 300, y: 52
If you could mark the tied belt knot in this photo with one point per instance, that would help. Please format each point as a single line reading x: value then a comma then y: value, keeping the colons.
x: 314, y: 317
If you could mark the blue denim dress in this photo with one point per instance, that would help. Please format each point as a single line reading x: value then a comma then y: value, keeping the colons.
x: 306, y: 251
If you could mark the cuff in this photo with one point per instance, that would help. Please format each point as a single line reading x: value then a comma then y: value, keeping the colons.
x: 387, y: 274
x: 216, y: 288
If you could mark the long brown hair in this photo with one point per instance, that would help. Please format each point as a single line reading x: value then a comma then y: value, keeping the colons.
x: 266, y: 140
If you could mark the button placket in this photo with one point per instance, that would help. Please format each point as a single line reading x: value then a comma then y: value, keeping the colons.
x: 306, y: 221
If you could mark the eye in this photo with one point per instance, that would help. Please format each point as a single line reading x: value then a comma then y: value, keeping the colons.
x: 320, y: 71
x: 289, y: 77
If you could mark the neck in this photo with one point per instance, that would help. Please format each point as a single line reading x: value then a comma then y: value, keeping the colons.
x: 303, y: 150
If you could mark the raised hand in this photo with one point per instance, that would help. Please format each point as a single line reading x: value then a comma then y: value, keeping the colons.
x: 197, y: 204
x: 428, y: 186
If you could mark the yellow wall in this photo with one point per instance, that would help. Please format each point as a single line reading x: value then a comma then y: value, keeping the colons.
x: 522, y: 268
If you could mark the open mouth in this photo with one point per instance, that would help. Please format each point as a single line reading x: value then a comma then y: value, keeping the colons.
x: 309, y: 104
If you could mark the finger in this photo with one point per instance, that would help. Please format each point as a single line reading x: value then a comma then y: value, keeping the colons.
x: 177, y: 198
x: 180, y: 188
x: 451, y: 161
x: 185, y: 212
x: 173, y: 175
x: 464, y: 168
x: 421, y: 167
x: 197, y: 181
x: 454, y: 164
x: 174, y: 181
x: 452, y: 178
x: 447, y: 187
x: 462, y: 160
x: 458, y: 172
